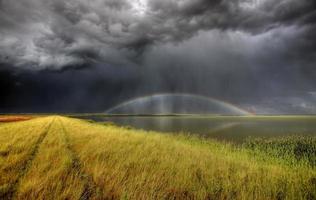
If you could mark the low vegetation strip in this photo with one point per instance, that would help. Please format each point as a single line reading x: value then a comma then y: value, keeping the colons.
x: 17, y: 152
x: 82, y: 160
x: 14, y: 118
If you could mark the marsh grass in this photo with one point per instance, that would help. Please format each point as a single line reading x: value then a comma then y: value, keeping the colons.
x: 292, y: 150
x: 112, y: 162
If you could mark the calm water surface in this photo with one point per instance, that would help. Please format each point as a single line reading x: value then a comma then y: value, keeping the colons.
x: 234, y: 129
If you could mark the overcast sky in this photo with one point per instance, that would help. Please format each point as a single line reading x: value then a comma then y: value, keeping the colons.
x: 87, y: 56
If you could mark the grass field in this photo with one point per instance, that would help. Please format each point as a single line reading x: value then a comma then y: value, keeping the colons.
x: 63, y: 158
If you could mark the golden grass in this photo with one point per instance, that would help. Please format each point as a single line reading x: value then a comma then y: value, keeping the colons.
x: 81, y: 160
x: 52, y: 174
x: 17, y: 145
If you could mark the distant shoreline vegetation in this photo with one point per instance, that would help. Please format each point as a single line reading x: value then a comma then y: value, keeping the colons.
x: 156, y: 115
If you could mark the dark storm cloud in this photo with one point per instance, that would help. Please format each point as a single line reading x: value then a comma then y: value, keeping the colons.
x: 79, y: 55
x: 53, y: 34
x: 91, y: 89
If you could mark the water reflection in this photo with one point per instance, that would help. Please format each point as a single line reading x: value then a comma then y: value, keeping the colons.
x: 224, y: 128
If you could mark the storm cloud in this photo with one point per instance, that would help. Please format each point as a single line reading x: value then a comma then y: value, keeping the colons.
x: 107, y: 51
x: 54, y: 34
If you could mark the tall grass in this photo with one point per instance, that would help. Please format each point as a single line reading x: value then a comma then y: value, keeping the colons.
x: 17, y: 143
x: 52, y: 174
x: 81, y: 160
x: 147, y: 165
x: 292, y: 150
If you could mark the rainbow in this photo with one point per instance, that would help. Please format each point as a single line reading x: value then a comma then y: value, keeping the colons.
x: 140, y: 100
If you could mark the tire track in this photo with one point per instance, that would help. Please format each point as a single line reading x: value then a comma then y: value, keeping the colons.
x: 10, y: 194
x: 90, y: 186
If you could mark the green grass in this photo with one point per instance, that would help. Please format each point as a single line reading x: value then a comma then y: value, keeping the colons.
x: 63, y: 158
x: 293, y: 150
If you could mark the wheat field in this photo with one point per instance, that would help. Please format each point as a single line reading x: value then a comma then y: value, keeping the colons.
x: 57, y: 157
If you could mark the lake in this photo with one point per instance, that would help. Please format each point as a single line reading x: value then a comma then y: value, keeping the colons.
x: 229, y: 128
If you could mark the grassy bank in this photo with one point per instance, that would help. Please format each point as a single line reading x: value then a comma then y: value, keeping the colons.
x: 64, y: 158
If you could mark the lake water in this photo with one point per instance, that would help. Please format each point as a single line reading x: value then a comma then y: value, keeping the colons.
x: 229, y: 128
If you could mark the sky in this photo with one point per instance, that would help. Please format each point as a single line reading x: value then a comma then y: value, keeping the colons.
x: 88, y: 56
